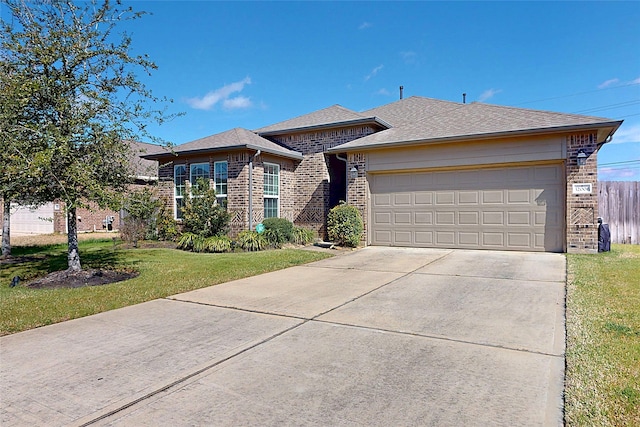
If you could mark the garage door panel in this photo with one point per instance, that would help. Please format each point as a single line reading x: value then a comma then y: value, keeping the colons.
x: 445, y: 218
x: 493, y: 240
x: 382, y: 218
x: 402, y: 199
x: 468, y: 197
x: 382, y: 199
x: 423, y: 198
x: 424, y: 218
x: 466, y: 238
x: 402, y: 218
x: 515, y: 208
x: 445, y: 198
x: 519, y: 219
x: 493, y: 197
x: 493, y: 218
x: 469, y: 218
x: 445, y: 238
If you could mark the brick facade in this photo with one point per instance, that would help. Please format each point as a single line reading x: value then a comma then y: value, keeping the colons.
x: 358, y: 189
x: 312, y: 175
x: 582, y: 209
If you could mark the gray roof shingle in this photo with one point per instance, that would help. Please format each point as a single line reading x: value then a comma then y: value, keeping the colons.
x: 327, y: 117
x: 237, y: 138
x: 418, y: 119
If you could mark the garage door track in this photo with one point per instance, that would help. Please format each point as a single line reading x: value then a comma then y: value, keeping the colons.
x: 379, y: 336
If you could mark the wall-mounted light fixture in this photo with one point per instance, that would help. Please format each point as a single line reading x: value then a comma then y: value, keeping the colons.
x: 582, y: 158
x: 353, y: 172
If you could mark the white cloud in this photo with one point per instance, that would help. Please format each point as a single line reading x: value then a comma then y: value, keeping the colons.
x: 383, y: 92
x: 373, y: 72
x: 489, y: 93
x: 608, y: 83
x: 222, y: 94
x: 627, y: 134
x: 636, y: 81
x: 408, y: 56
x: 237, y: 102
x: 365, y: 25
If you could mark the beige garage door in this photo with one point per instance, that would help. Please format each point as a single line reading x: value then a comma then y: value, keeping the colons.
x: 515, y: 208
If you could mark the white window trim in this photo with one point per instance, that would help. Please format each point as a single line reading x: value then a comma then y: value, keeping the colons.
x: 215, y: 184
x: 175, y: 193
x: 277, y: 197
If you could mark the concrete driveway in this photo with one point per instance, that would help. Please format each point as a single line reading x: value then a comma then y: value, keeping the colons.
x: 380, y: 336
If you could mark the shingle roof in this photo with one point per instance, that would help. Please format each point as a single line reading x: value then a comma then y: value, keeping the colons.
x: 333, y: 116
x: 418, y: 119
x: 144, y: 168
x: 237, y: 138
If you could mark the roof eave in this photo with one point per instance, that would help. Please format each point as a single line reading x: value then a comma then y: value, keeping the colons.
x: 332, y: 125
x: 606, y: 129
x: 295, y: 155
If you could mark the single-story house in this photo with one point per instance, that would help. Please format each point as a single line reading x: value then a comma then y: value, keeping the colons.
x: 423, y: 173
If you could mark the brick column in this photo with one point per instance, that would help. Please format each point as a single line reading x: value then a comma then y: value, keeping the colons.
x: 357, y: 189
x: 582, y: 209
x: 238, y: 191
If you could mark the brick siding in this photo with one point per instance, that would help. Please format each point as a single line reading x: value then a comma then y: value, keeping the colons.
x: 582, y: 209
x: 311, y: 199
x: 358, y: 189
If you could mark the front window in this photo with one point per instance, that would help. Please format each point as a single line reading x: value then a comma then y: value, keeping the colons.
x: 271, y: 190
x: 179, y: 179
x: 220, y: 181
x: 198, y: 171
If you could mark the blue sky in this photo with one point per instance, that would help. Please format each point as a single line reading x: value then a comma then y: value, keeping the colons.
x: 250, y: 64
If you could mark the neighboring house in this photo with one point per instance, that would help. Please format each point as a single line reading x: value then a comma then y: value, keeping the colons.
x: 50, y: 217
x: 423, y: 172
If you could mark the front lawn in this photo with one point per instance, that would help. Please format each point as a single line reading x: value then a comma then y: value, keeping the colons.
x: 163, y: 272
x: 603, y: 338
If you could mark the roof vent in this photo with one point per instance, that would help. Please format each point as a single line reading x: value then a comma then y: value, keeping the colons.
x: 401, y: 89
x: 464, y: 98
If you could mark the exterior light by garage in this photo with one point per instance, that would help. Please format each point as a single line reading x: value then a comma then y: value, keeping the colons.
x: 582, y: 158
x: 353, y: 172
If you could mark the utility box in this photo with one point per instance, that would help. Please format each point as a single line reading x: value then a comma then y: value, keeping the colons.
x: 604, y: 237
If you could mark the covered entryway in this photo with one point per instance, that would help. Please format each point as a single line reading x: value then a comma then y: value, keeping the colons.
x: 500, y: 208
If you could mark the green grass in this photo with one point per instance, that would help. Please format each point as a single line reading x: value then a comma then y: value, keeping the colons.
x: 603, y: 338
x: 163, y: 272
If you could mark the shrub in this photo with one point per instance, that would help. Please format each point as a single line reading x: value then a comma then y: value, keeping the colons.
x: 278, y: 230
x: 141, y: 207
x: 167, y: 227
x: 251, y: 241
x: 202, y: 214
x: 302, y: 236
x: 344, y: 225
x: 187, y: 241
x: 217, y: 244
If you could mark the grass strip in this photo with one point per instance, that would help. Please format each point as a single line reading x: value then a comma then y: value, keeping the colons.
x: 163, y: 272
x: 603, y: 338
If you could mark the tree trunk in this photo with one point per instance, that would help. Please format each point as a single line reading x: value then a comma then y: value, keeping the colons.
x: 73, y: 255
x: 6, y: 223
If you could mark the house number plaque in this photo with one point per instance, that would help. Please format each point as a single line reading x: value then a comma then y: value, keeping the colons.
x: 582, y: 188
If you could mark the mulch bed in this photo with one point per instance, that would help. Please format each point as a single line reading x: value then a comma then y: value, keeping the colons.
x: 78, y: 279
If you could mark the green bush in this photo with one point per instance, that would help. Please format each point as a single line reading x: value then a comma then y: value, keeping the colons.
x: 214, y: 244
x: 141, y: 209
x: 217, y: 244
x: 251, y: 241
x: 166, y: 226
x: 302, y: 236
x: 202, y: 214
x: 344, y: 225
x: 278, y: 230
x: 187, y: 241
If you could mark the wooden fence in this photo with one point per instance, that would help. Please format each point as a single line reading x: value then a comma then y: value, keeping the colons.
x: 619, y: 206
